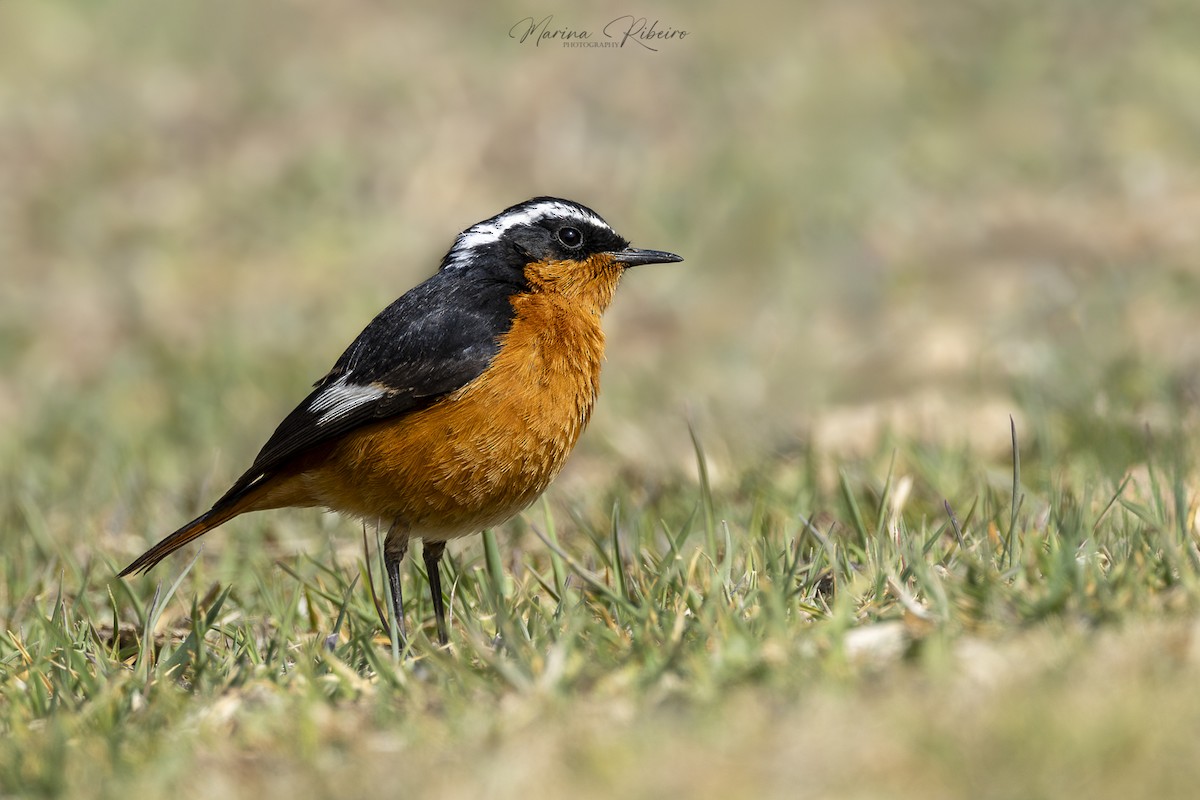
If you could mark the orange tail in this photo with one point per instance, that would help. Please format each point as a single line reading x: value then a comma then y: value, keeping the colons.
x: 196, y: 528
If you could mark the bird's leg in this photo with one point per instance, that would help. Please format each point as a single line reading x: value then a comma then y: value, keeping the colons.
x: 394, y: 547
x: 433, y: 556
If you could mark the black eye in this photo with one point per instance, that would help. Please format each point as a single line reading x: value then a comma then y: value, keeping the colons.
x: 571, y: 237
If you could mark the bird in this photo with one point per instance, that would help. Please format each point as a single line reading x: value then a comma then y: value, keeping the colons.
x: 459, y: 403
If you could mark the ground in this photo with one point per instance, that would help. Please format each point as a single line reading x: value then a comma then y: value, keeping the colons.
x: 892, y: 486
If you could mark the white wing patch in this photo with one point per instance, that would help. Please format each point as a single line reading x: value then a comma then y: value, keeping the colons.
x: 491, y: 230
x: 340, y: 398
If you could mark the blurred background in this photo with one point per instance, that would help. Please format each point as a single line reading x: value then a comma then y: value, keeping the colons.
x: 900, y: 220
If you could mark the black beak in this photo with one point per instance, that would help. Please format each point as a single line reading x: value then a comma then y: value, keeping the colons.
x: 632, y: 257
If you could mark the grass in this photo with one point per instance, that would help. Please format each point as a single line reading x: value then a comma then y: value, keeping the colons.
x: 704, y: 644
x: 891, y: 491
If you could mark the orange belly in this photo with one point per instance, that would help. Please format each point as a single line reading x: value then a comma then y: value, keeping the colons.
x: 478, y: 456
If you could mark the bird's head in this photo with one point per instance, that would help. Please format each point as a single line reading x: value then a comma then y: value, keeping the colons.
x: 550, y: 245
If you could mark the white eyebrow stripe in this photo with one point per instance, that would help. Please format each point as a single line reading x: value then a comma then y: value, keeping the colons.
x: 341, y: 397
x: 491, y: 230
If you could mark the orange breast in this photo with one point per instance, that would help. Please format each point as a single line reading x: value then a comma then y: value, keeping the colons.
x: 485, y: 452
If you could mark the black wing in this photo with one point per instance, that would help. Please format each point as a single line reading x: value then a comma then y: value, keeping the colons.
x: 434, y: 340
